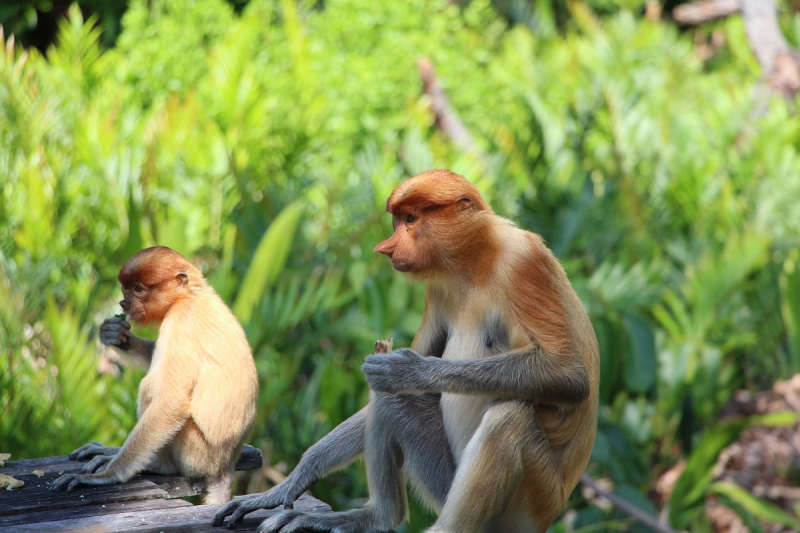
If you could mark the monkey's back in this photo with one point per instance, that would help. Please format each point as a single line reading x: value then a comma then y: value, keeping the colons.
x: 222, y: 407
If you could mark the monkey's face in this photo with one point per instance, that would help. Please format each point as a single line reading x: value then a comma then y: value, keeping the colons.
x: 152, y: 281
x: 133, y: 302
x: 436, y: 224
x: 146, y: 304
x: 406, y: 248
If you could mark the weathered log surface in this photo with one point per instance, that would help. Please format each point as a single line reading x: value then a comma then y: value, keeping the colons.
x: 35, y: 496
x: 249, y: 459
x: 145, y: 504
x: 186, y: 519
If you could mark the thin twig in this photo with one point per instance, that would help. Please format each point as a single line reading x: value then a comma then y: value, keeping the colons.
x: 696, y: 13
x: 447, y: 119
x: 626, y: 506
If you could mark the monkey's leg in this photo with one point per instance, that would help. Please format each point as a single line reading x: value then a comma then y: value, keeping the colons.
x: 218, y: 488
x: 404, y: 436
x: 508, y: 448
x: 335, y: 450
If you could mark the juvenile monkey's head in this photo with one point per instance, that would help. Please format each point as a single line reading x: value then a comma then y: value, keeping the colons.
x: 153, y: 280
x: 441, y: 225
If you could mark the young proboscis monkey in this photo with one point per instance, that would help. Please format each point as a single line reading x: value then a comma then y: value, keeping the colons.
x: 197, y: 402
x: 492, y: 414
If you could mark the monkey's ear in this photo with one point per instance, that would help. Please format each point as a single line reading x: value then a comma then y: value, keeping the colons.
x: 182, y: 278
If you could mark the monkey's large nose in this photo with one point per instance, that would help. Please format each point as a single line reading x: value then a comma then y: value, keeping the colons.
x: 125, y: 304
x: 386, y: 247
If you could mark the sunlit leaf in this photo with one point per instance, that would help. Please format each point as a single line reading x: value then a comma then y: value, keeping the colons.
x: 268, y: 260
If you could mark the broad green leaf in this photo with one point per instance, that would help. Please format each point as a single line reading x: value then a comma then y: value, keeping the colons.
x: 610, y: 358
x: 691, y: 487
x: 790, y: 306
x: 761, y: 509
x: 640, y: 370
x: 268, y: 260
x: 135, y: 241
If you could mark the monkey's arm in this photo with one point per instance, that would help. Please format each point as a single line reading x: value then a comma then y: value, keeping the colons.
x: 528, y: 374
x: 116, y: 332
x: 335, y: 450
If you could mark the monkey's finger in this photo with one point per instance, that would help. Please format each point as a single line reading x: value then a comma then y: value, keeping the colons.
x: 406, y: 353
x: 377, y: 359
x: 97, y: 464
x: 56, y: 485
x: 114, y: 337
x: 225, y: 511
x: 77, y: 451
x: 237, y: 516
x: 115, y: 322
x: 84, y: 454
x: 75, y: 482
x: 374, y: 369
x: 277, y: 522
x: 87, y: 451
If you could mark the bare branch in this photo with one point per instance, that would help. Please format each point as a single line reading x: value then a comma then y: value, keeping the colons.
x: 697, y: 13
x: 763, y: 32
x: 626, y: 506
x: 447, y: 119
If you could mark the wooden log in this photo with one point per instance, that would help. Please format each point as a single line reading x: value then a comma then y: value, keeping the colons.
x: 35, y: 496
x: 55, y: 515
x: 192, y: 519
x: 249, y: 459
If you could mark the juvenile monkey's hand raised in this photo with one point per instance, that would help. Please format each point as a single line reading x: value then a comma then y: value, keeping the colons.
x: 116, y: 331
x: 398, y: 371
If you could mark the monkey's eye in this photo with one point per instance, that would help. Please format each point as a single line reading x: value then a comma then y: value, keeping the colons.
x: 138, y: 289
x: 410, y: 219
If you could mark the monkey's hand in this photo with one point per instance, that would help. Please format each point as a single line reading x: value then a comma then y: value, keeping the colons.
x: 115, y: 331
x: 98, y: 464
x: 285, y: 493
x: 70, y: 481
x: 402, y: 370
x: 87, y: 451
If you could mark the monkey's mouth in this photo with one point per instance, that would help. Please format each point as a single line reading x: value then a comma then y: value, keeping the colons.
x: 401, y: 266
x: 136, y: 317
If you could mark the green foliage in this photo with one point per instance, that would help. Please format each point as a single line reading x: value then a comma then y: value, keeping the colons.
x: 264, y: 144
x: 686, y: 502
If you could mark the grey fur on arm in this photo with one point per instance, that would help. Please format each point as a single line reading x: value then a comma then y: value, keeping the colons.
x: 526, y: 374
x: 116, y: 332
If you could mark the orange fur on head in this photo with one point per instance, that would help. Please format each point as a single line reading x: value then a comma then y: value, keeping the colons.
x: 441, y: 226
x: 153, y: 280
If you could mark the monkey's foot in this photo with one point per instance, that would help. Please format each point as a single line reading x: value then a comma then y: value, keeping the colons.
x: 355, y: 521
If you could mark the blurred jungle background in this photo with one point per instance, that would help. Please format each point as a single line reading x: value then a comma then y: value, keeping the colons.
x: 656, y: 153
